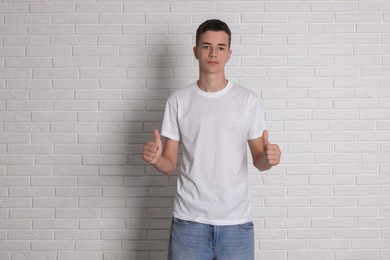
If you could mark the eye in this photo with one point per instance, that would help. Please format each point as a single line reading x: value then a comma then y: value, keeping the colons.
x: 221, y: 48
x: 206, y: 47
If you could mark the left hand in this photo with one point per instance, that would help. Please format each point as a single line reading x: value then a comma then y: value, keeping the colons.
x: 272, y: 151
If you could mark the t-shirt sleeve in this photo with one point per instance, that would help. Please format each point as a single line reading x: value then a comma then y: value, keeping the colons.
x: 170, y: 126
x: 257, y: 122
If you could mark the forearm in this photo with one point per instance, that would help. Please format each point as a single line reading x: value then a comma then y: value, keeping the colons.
x: 262, y: 163
x: 165, y: 165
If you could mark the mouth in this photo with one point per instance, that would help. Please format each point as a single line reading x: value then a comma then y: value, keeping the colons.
x: 212, y: 62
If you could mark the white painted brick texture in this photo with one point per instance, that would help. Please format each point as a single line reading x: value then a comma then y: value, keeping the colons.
x: 84, y: 83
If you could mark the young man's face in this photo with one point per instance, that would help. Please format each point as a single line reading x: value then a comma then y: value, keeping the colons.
x: 213, y: 51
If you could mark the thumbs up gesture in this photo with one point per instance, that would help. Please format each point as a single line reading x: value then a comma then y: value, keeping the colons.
x: 153, y: 150
x: 272, y: 151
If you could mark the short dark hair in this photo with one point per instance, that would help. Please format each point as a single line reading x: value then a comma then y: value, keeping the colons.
x: 213, y: 25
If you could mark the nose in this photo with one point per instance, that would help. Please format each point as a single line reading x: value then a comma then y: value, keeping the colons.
x: 213, y: 53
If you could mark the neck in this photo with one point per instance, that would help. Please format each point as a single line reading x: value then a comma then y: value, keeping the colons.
x: 210, y: 83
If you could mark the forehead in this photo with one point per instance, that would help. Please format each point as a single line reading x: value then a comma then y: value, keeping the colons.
x: 215, y: 37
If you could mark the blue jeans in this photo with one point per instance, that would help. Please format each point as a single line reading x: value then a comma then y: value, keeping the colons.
x: 195, y: 241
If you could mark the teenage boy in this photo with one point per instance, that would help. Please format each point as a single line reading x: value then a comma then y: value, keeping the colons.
x: 214, y: 120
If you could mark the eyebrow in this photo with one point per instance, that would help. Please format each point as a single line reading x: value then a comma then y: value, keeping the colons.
x: 219, y: 44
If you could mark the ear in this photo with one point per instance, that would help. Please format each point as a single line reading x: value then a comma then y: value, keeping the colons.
x: 230, y: 54
x: 195, y: 54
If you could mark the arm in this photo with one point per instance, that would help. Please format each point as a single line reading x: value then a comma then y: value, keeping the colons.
x: 264, y: 154
x: 162, y: 157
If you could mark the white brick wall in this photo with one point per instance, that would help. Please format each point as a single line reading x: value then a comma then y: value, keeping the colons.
x: 83, y: 83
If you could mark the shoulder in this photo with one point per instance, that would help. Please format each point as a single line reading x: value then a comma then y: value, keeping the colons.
x: 245, y: 94
x: 181, y: 94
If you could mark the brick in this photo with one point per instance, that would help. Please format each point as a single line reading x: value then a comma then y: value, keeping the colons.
x: 108, y: 170
x: 311, y: 18
x: 15, y: 224
x: 376, y: 6
x: 55, y: 202
x: 76, y: 149
x: 197, y: 7
x: 147, y: 28
x: 146, y: 7
x: 331, y: 180
x: 28, y: 84
x: 52, y: 7
x: 13, y: 30
x: 352, y: 255
x: 119, y: 127
x: 282, y: 244
x: 55, y: 73
x: 52, y: 181
x: 309, y: 234
x: 124, y: 234
x: 102, y: 224
x: 12, y: 52
x: 373, y: 28
x: 24, y: 18
x: 356, y: 39
x: 55, y: 223
x: 71, y: 18
x: 150, y: 245
x: 132, y: 18
x: 99, y: 7
x: 264, y: 18
x: 23, y: 40
x: 29, y: 106
x: 54, y: 138
x: 350, y: 168
x: 100, y: 29
x: 14, y: 8
x: 15, y: 245
x: 98, y: 245
x: 83, y: 255
x: 76, y: 234
x: 51, y: 29
x: 6, y: 181
x: 52, y: 245
x: 30, y: 192
x: 73, y: 40
x: 357, y: 17
x: 28, y: 170
x: 58, y: 127
x: 31, y: 255
x: 141, y: 255
x: 72, y: 213
x: 15, y: 202
x: 285, y: 29
x: 75, y: 84
x: 31, y: 214
x: 53, y: 116
x: 286, y: 7
x: 17, y: 159
x: 15, y: 73
x: 167, y: 18
x: 327, y: 244
x: 75, y: 62
x: 29, y: 149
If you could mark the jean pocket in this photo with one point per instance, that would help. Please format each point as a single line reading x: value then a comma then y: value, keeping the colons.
x: 247, y: 225
x: 182, y: 221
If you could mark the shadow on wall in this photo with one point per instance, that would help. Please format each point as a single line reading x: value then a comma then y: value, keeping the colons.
x: 149, y: 194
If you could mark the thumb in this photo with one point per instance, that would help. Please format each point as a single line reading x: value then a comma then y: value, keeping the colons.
x: 157, y: 137
x: 265, y: 137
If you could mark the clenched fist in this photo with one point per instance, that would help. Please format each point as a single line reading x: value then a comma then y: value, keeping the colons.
x: 153, y: 150
x: 272, y: 151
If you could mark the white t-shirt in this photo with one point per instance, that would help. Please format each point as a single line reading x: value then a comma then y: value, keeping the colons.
x: 213, y: 128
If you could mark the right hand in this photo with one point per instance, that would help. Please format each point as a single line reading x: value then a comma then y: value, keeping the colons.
x: 153, y: 150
